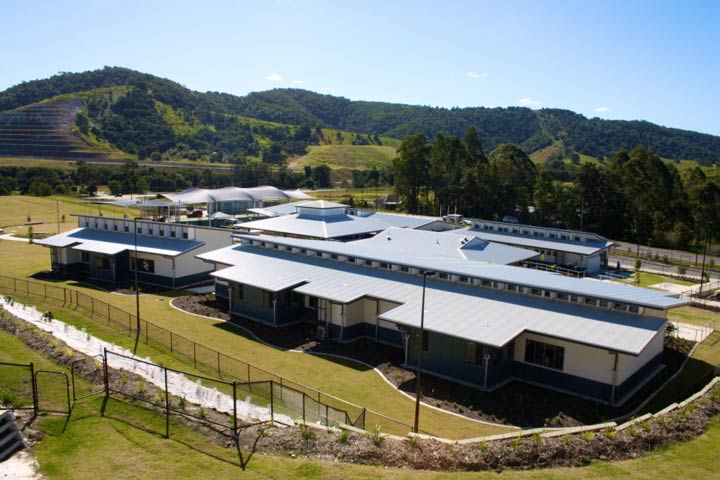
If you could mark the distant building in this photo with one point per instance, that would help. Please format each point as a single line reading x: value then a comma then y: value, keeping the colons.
x: 104, y: 249
x: 583, y: 253
x: 323, y: 220
x: 233, y: 200
x: 486, y: 323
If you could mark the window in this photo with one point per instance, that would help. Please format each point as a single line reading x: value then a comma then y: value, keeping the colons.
x: 127, y: 228
x: 544, y: 354
x: 334, y: 256
x: 150, y: 231
x: 172, y: 233
x: 303, y: 251
x: 511, y: 287
x: 473, y: 353
x: 84, y: 257
x: 185, y: 233
x: 312, y: 302
x: 536, y: 291
x: 102, y: 263
x: 590, y: 301
x: 425, y: 341
x: 620, y: 306
x: 239, y: 291
x: 143, y: 265
x: 487, y: 284
x: 384, y: 265
x: 443, y: 276
x: 404, y: 269
x: 267, y: 299
x: 634, y: 309
x: 603, y: 303
x: 368, y: 263
x: 115, y: 227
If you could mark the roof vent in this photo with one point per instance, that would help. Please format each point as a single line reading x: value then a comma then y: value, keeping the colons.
x: 388, y: 236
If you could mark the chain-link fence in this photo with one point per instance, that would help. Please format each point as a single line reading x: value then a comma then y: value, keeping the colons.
x: 285, y: 396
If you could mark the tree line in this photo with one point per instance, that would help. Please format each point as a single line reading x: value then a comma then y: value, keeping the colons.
x: 633, y: 196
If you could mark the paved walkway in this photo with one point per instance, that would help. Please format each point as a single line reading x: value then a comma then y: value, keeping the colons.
x: 10, y: 236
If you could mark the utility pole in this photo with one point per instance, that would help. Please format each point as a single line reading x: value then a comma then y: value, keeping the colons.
x: 426, y: 273
x: 137, y: 290
x: 57, y: 214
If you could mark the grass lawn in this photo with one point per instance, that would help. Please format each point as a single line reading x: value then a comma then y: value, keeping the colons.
x: 128, y: 444
x: 648, y: 279
x: 359, y: 194
x: 356, y: 157
x: 15, y: 209
x: 694, y: 316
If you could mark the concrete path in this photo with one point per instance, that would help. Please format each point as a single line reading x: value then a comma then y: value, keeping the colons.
x: 22, y: 465
x: 11, y: 237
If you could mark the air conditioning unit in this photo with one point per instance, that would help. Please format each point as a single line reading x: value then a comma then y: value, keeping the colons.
x: 321, y: 332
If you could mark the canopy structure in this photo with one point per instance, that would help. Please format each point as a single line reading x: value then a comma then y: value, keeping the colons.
x: 220, y: 215
x: 254, y: 195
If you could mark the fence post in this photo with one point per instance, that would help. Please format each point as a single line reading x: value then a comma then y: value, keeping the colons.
x: 64, y: 297
x: 218, y: 365
x: 33, y: 385
x: 248, y: 369
x: 272, y: 403
x: 92, y: 306
x: 171, y: 343
x: 235, y: 425
x: 167, y: 406
x: 108, y: 310
x: 106, y: 381
x: 146, y: 332
x: 303, y: 409
x: 14, y: 284
x: 45, y: 289
x: 194, y: 355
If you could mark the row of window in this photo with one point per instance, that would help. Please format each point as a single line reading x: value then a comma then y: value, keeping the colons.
x: 510, y: 287
x: 113, y: 225
x: 532, y: 232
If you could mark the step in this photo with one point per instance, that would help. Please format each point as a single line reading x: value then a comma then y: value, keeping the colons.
x: 10, y: 450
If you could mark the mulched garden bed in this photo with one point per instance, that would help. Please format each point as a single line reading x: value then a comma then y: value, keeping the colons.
x: 540, y: 406
x: 373, y: 449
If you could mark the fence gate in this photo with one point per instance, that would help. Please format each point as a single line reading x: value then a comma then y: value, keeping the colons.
x: 52, y: 391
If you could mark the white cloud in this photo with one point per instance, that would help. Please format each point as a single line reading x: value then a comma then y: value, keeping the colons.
x: 297, y: 82
x: 602, y: 109
x: 476, y: 75
x: 273, y: 77
x: 529, y: 102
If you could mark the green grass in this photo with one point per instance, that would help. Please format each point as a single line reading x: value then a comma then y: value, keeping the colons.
x: 128, y: 444
x: 354, y: 157
x: 646, y: 280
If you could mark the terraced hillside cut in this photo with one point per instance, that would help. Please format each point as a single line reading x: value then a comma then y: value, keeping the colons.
x: 44, y: 130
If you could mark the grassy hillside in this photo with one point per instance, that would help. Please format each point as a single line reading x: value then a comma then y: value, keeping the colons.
x: 357, y: 157
x: 143, y: 114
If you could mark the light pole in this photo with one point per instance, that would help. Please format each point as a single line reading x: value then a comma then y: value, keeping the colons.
x: 137, y: 291
x: 702, y: 272
x: 426, y: 273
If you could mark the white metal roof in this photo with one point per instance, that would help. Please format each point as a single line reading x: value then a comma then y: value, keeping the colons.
x: 482, y: 315
x: 275, y: 210
x: 327, y: 227
x: 584, y: 248
x: 112, y: 243
x: 228, y: 194
x: 321, y: 204
x: 426, y: 258
x: 413, y: 243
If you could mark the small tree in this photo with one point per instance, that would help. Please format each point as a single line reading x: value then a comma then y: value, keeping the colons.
x: 261, y: 433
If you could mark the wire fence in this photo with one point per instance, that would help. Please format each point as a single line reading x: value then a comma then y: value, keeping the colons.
x: 285, y: 396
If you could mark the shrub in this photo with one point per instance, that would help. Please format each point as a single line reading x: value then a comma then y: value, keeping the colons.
x: 306, y: 433
x: 588, y: 436
x: 202, y: 413
x: 376, y: 437
x: 343, y: 436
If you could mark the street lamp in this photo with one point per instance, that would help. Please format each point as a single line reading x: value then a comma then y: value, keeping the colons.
x: 425, y: 273
x: 137, y: 290
x: 702, y: 273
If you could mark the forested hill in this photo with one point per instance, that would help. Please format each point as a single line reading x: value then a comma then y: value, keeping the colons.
x: 531, y: 129
x: 190, y: 111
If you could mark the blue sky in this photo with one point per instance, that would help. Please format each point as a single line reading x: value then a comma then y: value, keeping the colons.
x: 652, y: 60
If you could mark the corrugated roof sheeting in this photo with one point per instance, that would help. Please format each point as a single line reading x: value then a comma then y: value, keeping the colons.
x: 112, y: 243
x: 412, y: 242
x: 335, y: 226
x: 530, y: 242
x: 228, y: 194
x: 483, y: 315
x: 423, y: 259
